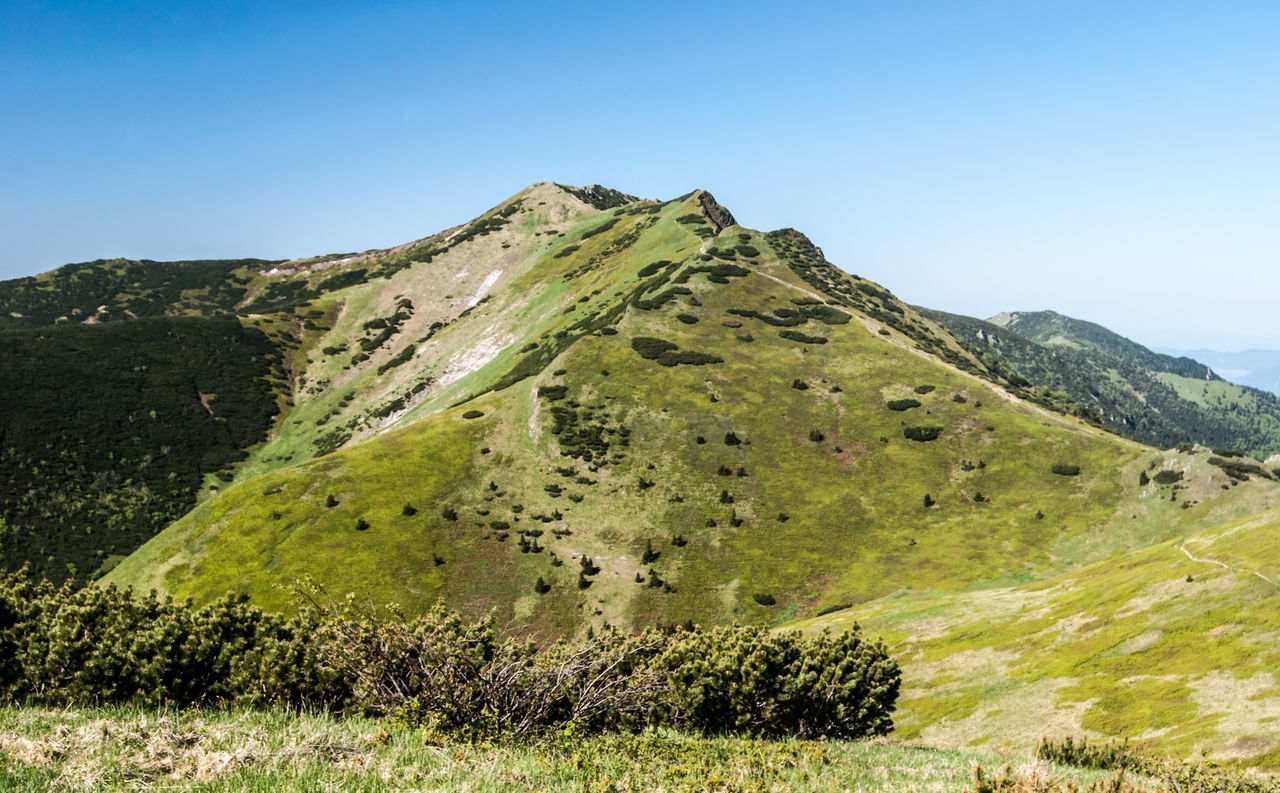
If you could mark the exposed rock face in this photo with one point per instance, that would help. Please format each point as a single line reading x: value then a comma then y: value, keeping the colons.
x: 720, y: 217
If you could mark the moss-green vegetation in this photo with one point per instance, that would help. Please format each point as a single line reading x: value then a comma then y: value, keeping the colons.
x: 1168, y: 647
x: 100, y: 645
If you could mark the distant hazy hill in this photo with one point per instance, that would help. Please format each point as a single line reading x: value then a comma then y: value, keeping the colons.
x: 1157, y: 399
x: 1256, y: 368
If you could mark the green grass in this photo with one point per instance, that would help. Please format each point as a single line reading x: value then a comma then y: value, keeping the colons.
x: 126, y: 750
x: 1149, y: 645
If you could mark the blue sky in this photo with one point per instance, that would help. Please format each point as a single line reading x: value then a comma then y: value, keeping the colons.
x: 1114, y: 161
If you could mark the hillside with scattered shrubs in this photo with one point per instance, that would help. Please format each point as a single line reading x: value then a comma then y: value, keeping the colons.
x: 583, y: 431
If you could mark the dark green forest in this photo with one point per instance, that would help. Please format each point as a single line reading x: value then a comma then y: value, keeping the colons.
x: 106, y: 431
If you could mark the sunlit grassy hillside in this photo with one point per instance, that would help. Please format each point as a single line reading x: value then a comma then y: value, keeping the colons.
x: 658, y: 416
x: 127, y: 750
x: 1172, y: 645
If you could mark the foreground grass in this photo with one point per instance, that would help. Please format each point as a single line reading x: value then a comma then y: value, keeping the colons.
x: 122, y: 749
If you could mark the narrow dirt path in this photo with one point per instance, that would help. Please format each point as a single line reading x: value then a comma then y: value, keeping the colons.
x: 1223, y: 565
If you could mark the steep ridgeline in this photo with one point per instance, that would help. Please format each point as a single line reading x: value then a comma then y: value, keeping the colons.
x: 1154, y: 398
x: 579, y: 413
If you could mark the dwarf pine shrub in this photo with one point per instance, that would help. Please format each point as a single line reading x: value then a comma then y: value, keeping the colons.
x: 922, y: 434
x: 102, y: 645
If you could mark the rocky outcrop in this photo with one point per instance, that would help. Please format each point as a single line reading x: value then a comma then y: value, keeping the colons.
x: 720, y: 217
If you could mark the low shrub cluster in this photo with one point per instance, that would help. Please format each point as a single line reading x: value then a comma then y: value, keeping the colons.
x: 404, y: 357
x: 716, y: 273
x: 668, y: 354
x: 603, y: 227
x: 1239, y: 470
x: 826, y: 314
x: 803, y: 338
x: 662, y: 298
x: 64, y: 646
x: 70, y: 645
x: 778, y: 321
x: 922, y: 434
x: 653, y: 268
x: 902, y: 404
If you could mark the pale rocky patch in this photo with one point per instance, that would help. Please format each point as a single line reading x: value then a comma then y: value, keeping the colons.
x: 1007, y: 722
x: 1249, y: 708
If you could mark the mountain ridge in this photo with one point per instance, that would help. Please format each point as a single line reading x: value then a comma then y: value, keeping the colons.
x: 734, y: 503
x: 1154, y: 398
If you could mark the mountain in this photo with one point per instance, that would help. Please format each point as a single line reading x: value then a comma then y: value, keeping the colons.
x: 660, y: 415
x: 109, y: 431
x: 585, y: 409
x: 1255, y: 368
x: 1156, y: 399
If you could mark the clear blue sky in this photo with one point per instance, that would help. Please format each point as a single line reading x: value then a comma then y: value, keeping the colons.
x: 1116, y: 161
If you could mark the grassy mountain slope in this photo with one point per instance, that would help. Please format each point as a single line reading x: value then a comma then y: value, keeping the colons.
x: 1154, y: 398
x: 1171, y: 645
x: 1056, y: 330
x: 584, y: 408
x: 679, y: 419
